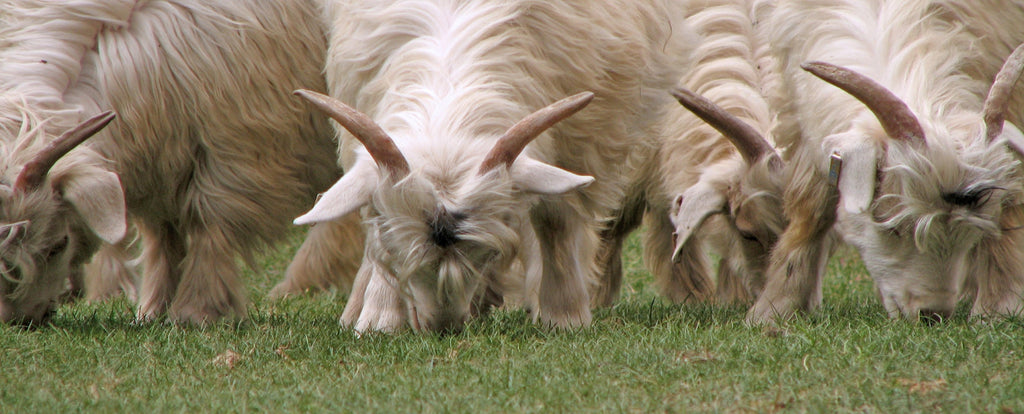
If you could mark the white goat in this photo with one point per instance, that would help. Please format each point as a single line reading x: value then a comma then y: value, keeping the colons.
x: 929, y: 192
x: 212, y: 151
x: 996, y: 25
x: 328, y: 258
x: 461, y: 198
x: 730, y: 178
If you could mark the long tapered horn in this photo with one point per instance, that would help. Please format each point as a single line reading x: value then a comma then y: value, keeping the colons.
x: 377, y: 142
x: 34, y: 172
x: 895, y: 116
x: 999, y: 94
x: 508, y: 147
x: 748, y: 141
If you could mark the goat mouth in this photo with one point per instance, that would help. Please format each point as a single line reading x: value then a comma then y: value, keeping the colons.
x: 450, y: 329
x: 32, y: 323
x: 931, y: 316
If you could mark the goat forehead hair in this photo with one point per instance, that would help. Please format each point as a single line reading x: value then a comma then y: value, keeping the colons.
x: 916, y: 186
x: 417, y: 198
x: 400, y: 228
x: 45, y: 227
x: 761, y: 190
x: 933, y: 170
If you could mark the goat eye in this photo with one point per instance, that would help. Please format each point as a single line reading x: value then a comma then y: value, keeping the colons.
x: 748, y: 236
x: 9, y: 271
x: 58, y: 248
x: 972, y: 198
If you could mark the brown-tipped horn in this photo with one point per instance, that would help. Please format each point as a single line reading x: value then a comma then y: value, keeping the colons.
x: 895, y: 116
x: 377, y: 142
x: 34, y: 173
x: 748, y: 141
x: 508, y: 147
x: 999, y: 94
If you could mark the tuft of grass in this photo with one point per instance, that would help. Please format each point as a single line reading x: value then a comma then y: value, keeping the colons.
x: 643, y: 354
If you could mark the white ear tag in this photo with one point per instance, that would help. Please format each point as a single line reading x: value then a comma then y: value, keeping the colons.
x: 835, y: 167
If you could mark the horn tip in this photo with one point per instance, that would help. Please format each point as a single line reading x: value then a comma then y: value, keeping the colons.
x: 816, y: 66
x: 681, y: 94
x: 306, y: 93
x: 584, y: 97
x: 106, y: 117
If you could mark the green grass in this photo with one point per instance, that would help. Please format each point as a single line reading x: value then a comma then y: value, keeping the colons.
x: 642, y: 355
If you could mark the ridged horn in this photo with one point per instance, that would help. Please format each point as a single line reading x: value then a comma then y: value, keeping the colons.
x: 998, y: 99
x: 895, y: 116
x: 377, y: 142
x: 751, y: 145
x: 34, y: 172
x: 512, y: 143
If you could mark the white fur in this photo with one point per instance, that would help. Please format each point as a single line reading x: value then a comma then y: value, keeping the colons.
x: 211, y: 150
x: 919, y: 248
x: 444, y: 79
x: 703, y: 184
x: 996, y: 27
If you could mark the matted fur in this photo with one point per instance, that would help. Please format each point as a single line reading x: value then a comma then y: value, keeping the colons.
x: 893, y: 199
x: 734, y: 69
x: 444, y: 79
x: 212, y: 151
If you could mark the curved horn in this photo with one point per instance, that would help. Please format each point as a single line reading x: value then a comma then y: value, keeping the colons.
x: 508, y: 147
x: 748, y: 141
x: 34, y: 172
x: 377, y: 142
x: 895, y: 116
x: 999, y: 94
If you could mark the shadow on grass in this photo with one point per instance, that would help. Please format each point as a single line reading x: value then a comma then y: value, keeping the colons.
x: 640, y: 311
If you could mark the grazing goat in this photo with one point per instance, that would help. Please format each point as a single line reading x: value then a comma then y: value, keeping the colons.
x: 928, y: 190
x: 465, y: 190
x: 723, y: 187
x: 209, y: 153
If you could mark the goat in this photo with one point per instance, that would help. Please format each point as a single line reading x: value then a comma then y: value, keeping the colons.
x: 209, y: 153
x: 465, y: 190
x: 928, y: 192
x: 325, y: 260
x: 995, y: 25
x: 112, y: 271
x: 733, y: 173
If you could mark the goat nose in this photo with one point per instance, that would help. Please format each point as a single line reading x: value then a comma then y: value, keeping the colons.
x: 931, y: 316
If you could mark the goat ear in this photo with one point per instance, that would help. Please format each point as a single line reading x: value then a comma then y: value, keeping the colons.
x: 537, y: 177
x: 1014, y: 137
x: 349, y: 193
x: 98, y: 198
x: 857, y: 177
x: 691, y: 208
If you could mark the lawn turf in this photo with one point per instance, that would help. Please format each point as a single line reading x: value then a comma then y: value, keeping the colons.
x: 642, y: 355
